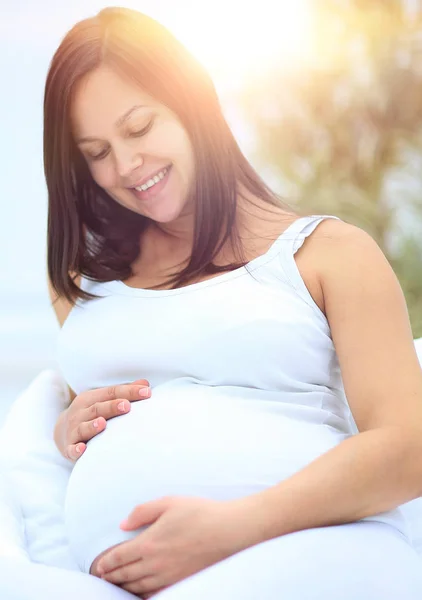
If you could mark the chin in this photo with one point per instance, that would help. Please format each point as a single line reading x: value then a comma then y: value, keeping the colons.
x: 168, y: 213
x: 164, y: 219
x: 163, y: 211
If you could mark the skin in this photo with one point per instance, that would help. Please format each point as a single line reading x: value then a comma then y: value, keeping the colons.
x: 93, y: 569
x: 130, y: 157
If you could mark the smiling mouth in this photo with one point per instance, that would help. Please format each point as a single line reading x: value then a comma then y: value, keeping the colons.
x: 153, y: 180
x: 153, y: 186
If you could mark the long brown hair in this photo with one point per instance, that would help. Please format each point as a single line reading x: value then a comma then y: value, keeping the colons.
x: 88, y: 232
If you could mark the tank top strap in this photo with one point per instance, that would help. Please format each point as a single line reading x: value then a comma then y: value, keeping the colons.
x: 298, y: 231
x: 292, y: 239
x: 304, y: 227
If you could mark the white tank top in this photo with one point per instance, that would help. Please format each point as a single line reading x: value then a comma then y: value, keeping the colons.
x: 246, y: 390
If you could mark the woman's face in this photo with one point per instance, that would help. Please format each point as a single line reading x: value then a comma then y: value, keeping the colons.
x: 130, y: 140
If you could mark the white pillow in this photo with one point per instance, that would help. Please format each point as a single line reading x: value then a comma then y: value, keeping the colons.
x: 35, y: 468
x: 12, y: 526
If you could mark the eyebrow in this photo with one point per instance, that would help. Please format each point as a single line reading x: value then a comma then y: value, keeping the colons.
x: 118, y: 123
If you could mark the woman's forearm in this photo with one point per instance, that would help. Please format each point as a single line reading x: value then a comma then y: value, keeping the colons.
x: 58, y: 429
x: 371, y: 472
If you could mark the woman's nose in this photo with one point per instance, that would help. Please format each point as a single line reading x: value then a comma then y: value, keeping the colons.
x: 127, y: 161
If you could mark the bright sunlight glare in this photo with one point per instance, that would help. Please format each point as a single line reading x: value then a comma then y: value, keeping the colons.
x: 234, y: 39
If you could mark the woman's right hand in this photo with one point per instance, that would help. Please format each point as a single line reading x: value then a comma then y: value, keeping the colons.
x: 88, y: 413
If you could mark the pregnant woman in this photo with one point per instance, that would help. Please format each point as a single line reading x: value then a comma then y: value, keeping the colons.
x: 282, y: 428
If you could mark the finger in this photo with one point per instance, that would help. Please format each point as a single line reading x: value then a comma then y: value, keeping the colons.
x: 102, y: 411
x: 150, y: 585
x: 146, y: 596
x: 110, y: 409
x: 95, y: 416
x: 119, y: 556
x: 126, y: 574
x: 86, y: 430
x: 129, y: 391
x: 72, y: 452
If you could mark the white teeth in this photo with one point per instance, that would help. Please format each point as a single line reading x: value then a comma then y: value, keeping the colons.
x: 152, y: 181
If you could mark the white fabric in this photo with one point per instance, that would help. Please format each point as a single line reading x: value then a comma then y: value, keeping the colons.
x: 31, y: 581
x: 36, y: 470
x: 12, y: 525
x: 246, y: 390
x: 358, y: 561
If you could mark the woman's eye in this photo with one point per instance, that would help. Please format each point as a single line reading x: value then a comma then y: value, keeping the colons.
x: 142, y: 131
x: 137, y: 133
x: 102, y: 154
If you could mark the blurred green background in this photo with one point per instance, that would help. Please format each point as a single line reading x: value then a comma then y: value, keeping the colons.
x: 343, y: 134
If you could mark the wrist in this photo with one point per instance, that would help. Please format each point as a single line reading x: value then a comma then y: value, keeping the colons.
x: 250, y: 517
x: 59, y: 432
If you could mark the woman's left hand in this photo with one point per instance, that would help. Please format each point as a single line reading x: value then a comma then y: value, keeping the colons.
x: 188, y: 534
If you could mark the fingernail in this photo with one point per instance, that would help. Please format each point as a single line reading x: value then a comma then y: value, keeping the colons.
x: 78, y: 449
x: 122, y: 406
x: 144, y: 392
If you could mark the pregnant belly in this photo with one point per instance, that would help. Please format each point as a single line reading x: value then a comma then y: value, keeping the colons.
x: 187, y: 445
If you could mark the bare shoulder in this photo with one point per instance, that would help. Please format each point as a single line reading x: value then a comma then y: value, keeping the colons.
x: 334, y: 232
x: 336, y: 244
x: 331, y: 245
x: 61, y: 306
x: 353, y: 272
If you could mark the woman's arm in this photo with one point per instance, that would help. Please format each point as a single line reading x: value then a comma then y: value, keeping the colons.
x: 381, y: 467
x: 62, y: 308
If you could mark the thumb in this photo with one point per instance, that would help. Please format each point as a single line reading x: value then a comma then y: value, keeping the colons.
x: 146, y: 513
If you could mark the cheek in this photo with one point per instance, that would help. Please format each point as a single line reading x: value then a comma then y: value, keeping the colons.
x: 187, y: 155
x: 171, y: 140
x: 103, y: 175
x: 182, y: 154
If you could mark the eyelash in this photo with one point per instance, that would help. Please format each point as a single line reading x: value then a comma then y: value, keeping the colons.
x: 138, y: 133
